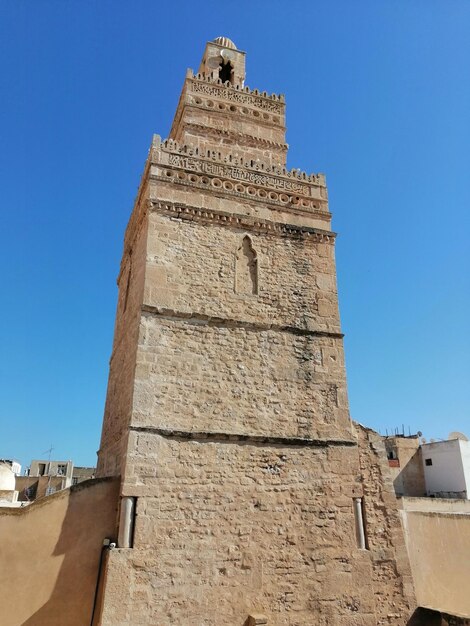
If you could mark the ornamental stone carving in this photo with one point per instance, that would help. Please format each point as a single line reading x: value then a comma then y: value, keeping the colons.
x: 233, y: 95
x: 236, y: 173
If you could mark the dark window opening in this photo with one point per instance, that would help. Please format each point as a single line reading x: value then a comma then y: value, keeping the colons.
x: 428, y: 461
x: 42, y: 469
x: 225, y: 71
x: 30, y: 492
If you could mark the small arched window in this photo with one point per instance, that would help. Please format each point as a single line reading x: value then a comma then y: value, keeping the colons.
x: 225, y: 71
x: 246, y: 268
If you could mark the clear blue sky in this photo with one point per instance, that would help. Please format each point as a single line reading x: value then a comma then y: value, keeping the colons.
x: 378, y: 98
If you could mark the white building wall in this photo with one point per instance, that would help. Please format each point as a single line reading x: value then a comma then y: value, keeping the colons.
x: 16, y: 468
x: 465, y: 452
x: 445, y: 477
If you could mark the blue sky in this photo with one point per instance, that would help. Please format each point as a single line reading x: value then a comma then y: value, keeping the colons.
x: 378, y: 98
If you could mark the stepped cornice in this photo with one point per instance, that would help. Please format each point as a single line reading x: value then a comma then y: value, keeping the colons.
x: 242, y: 139
x: 232, y: 220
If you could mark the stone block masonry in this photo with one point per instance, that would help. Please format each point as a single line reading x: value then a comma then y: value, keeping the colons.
x: 239, y: 524
x: 214, y: 378
x: 227, y: 414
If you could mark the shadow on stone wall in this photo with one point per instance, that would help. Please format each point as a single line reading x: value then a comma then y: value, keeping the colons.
x: 427, y: 617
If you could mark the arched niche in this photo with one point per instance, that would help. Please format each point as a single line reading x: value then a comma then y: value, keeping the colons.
x: 246, y: 268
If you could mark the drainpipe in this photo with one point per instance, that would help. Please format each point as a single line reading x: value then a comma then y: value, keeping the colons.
x: 107, y: 545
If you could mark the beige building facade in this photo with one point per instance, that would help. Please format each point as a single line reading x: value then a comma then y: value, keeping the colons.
x: 406, y: 465
x: 246, y: 494
x: 45, y: 477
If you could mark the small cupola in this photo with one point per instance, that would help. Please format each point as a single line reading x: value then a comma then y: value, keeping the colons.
x: 223, y: 61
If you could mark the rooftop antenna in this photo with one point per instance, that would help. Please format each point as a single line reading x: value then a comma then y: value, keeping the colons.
x: 48, y: 452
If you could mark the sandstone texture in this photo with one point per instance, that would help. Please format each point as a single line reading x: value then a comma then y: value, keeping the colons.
x: 227, y: 413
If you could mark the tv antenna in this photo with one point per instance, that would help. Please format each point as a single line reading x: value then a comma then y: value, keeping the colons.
x: 49, y: 452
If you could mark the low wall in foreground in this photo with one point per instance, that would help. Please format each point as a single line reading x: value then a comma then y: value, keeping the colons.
x: 435, y: 505
x: 438, y: 545
x: 50, y: 553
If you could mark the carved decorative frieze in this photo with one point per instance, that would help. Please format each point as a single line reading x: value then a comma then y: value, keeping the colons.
x: 277, y: 199
x: 237, y: 173
x: 263, y: 118
x: 174, y: 147
x: 246, y: 222
x: 234, y: 95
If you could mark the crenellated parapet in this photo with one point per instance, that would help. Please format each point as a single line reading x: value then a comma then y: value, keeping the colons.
x: 236, y: 176
x: 174, y: 147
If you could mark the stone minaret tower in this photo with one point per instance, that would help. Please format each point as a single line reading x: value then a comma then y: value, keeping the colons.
x: 227, y: 414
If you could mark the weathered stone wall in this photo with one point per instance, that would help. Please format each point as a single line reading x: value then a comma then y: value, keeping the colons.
x: 191, y: 268
x: 120, y: 391
x: 50, y: 553
x: 391, y: 574
x: 201, y: 377
x: 227, y: 528
x: 240, y: 449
